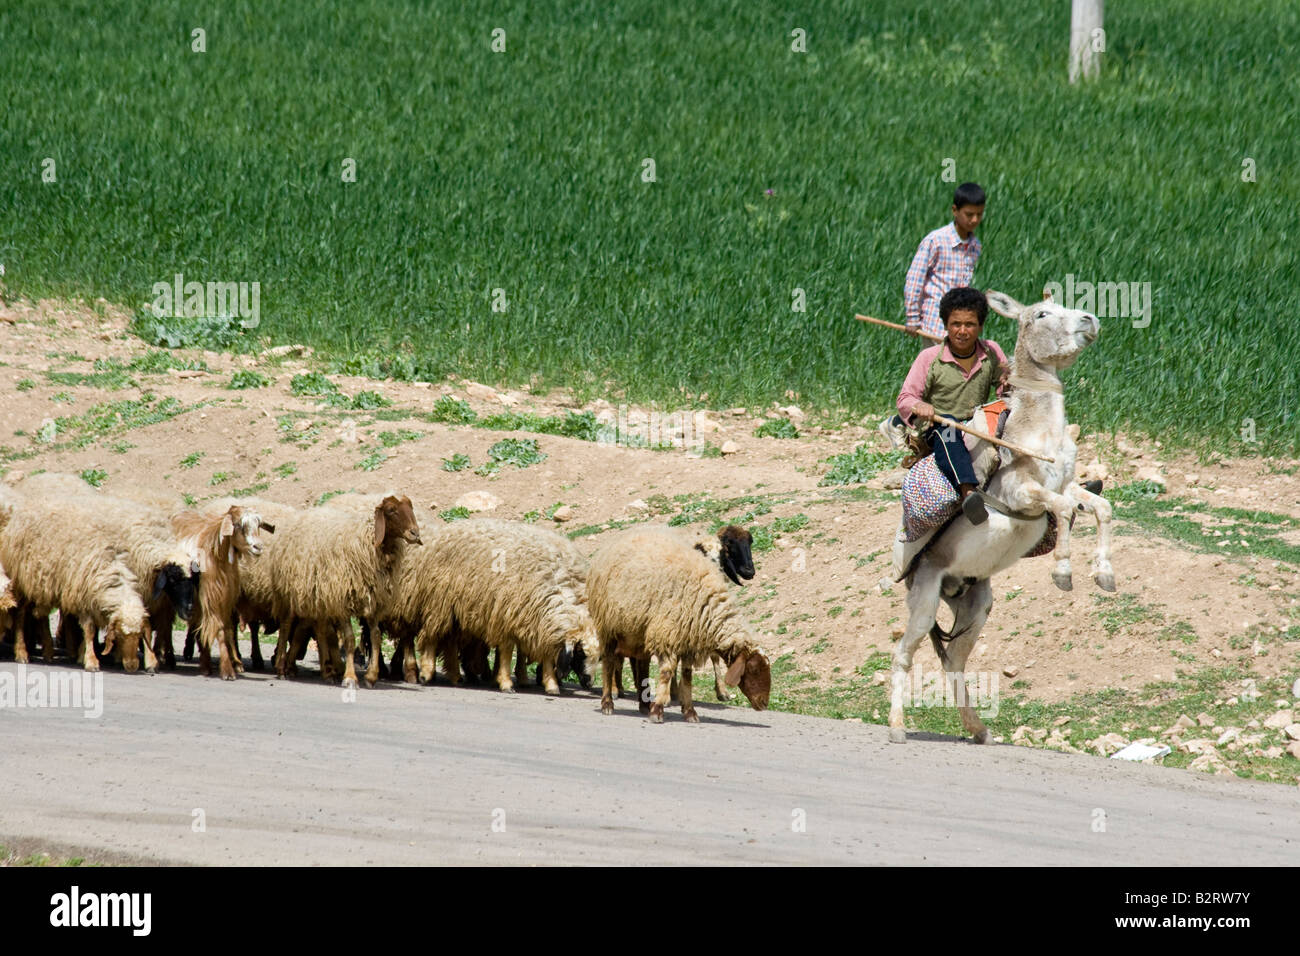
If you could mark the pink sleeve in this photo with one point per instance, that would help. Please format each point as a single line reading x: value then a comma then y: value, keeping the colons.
x: 915, y: 283
x: 914, y: 384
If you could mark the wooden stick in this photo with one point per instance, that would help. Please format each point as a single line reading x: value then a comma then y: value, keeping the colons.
x: 901, y: 328
x: 942, y: 420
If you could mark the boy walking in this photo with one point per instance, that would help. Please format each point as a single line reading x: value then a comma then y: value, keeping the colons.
x: 945, y: 260
x: 952, y: 379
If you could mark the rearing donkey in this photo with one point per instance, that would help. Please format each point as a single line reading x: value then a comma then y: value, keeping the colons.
x: 962, y: 557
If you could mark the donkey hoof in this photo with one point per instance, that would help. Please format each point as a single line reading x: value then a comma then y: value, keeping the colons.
x: 983, y: 737
x: 1105, y: 581
x: 1063, y: 581
x: 897, y: 735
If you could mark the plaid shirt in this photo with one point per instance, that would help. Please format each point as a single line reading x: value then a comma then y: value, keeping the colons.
x: 942, y: 262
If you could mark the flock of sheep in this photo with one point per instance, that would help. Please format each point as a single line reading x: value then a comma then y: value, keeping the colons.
x: 123, y: 570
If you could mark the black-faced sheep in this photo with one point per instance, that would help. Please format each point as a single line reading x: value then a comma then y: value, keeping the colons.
x: 220, y: 542
x: 652, y: 593
x: 507, y: 584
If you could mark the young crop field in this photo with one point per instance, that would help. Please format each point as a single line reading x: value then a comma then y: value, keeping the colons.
x: 642, y: 196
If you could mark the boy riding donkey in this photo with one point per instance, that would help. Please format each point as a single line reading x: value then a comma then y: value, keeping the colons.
x: 953, y: 379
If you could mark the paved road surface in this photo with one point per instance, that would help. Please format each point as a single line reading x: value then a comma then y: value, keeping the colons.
x: 290, y: 773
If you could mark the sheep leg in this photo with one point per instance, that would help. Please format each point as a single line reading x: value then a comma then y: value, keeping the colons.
x: 641, y: 682
x: 688, y: 705
x: 410, y: 665
x: 255, y: 661
x: 46, y: 639
x: 451, y: 659
x: 609, y: 677
x: 20, y: 635
x: 504, y: 653
x: 617, y: 674
x: 91, y: 661
x: 374, y: 667
x: 667, y: 668
x: 922, y: 606
x: 150, y: 661
x: 719, y: 688
x: 191, y: 634
x: 546, y: 674
x: 349, y: 649
x: 162, y: 642
x: 236, y: 661
x: 225, y: 642
x: 521, y: 669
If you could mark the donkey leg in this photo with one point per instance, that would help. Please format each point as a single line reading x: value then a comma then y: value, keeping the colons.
x: 1102, y: 573
x: 922, y: 606
x: 1032, y: 496
x: 970, y: 611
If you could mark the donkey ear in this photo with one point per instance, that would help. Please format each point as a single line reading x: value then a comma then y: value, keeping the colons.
x: 227, y: 525
x: 734, y: 672
x: 380, y: 526
x: 1003, y: 304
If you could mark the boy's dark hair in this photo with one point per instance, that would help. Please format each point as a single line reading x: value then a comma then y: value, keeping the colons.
x: 968, y: 194
x: 964, y: 297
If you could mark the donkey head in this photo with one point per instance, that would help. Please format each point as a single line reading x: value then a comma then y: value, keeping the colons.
x: 1050, y: 334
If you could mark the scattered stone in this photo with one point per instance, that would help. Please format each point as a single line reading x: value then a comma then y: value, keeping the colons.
x: 1200, y: 745
x: 852, y: 720
x: 562, y: 513
x: 737, y: 412
x: 1294, y: 749
x: 186, y: 372
x: 1272, y: 753
x: 484, y: 393
x: 478, y: 501
x: 1204, y: 719
x: 14, y: 476
x: 1192, y: 479
x: 638, y: 507
x: 1229, y: 734
x: 1279, y: 719
x: 1107, y: 744
x: 792, y: 412
x: 1061, y: 721
x: 1295, y: 688
x: 892, y: 480
x: 1210, y: 762
x: 1280, y: 704
x: 280, y: 351
x: 704, y: 425
x: 1147, y: 473
x: 1253, y: 724
x: 422, y: 385
x: 1011, y: 671
x: 1292, y: 731
x: 729, y: 448
x: 879, y: 678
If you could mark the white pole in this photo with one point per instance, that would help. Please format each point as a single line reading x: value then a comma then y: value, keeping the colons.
x: 1087, y: 39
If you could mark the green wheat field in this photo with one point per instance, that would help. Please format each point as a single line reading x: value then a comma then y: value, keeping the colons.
x: 523, y: 170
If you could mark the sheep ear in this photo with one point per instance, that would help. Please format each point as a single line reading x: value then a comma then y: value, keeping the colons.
x: 159, y: 582
x: 110, y: 636
x: 379, y: 526
x: 268, y: 527
x: 227, y: 526
x: 734, y: 672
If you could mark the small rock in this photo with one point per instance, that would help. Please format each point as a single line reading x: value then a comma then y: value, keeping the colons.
x: 1108, y: 744
x: 1204, y: 719
x: 1072, y: 430
x: 879, y: 678
x: 792, y: 412
x: 484, y: 393
x: 562, y: 513
x: 422, y: 385
x: 892, y: 480
x: 1191, y: 479
x: 729, y: 448
x: 737, y: 412
x: 1011, y: 671
x: 1279, y: 719
x: 14, y: 476
x: 280, y: 351
x: 478, y: 501
x: 1147, y: 473
x: 1229, y: 734
x: 1294, y: 749
x: 852, y: 720
x: 704, y: 425
x: 1061, y: 721
x: 638, y: 507
x: 1292, y: 731
x: 1295, y: 688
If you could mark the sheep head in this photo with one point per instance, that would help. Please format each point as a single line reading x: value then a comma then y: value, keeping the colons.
x: 177, y: 583
x: 736, y: 559
x: 395, y: 521
x: 240, y: 533
x: 125, y: 631
x: 752, y: 672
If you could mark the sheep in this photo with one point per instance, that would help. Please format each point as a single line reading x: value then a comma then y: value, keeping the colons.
x: 255, y: 605
x: 504, y: 583
x: 165, y: 573
x: 732, y: 549
x: 335, y: 563
x: 652, y: 593
x: 56, y: 557
x: 220, y: 541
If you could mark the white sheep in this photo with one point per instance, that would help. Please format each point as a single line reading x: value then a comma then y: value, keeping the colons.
x: 56, y: 557
x: 652, y: 593
x: 336, y: 563
x: 165, y: 572
x: 505, y: 583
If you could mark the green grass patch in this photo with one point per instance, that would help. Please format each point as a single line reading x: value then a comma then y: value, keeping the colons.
x: 451, y: 411
x: 457, y: 462
x: 220, y: 333
x: 25, y: 384
x: 861, y: 465
x: 192, y: 459
x: 312, y: 383
x: 776, y: 428
x: 94, y: 476
x: 373, y: 461
x: 247, y: 378
x: 455, y: 514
